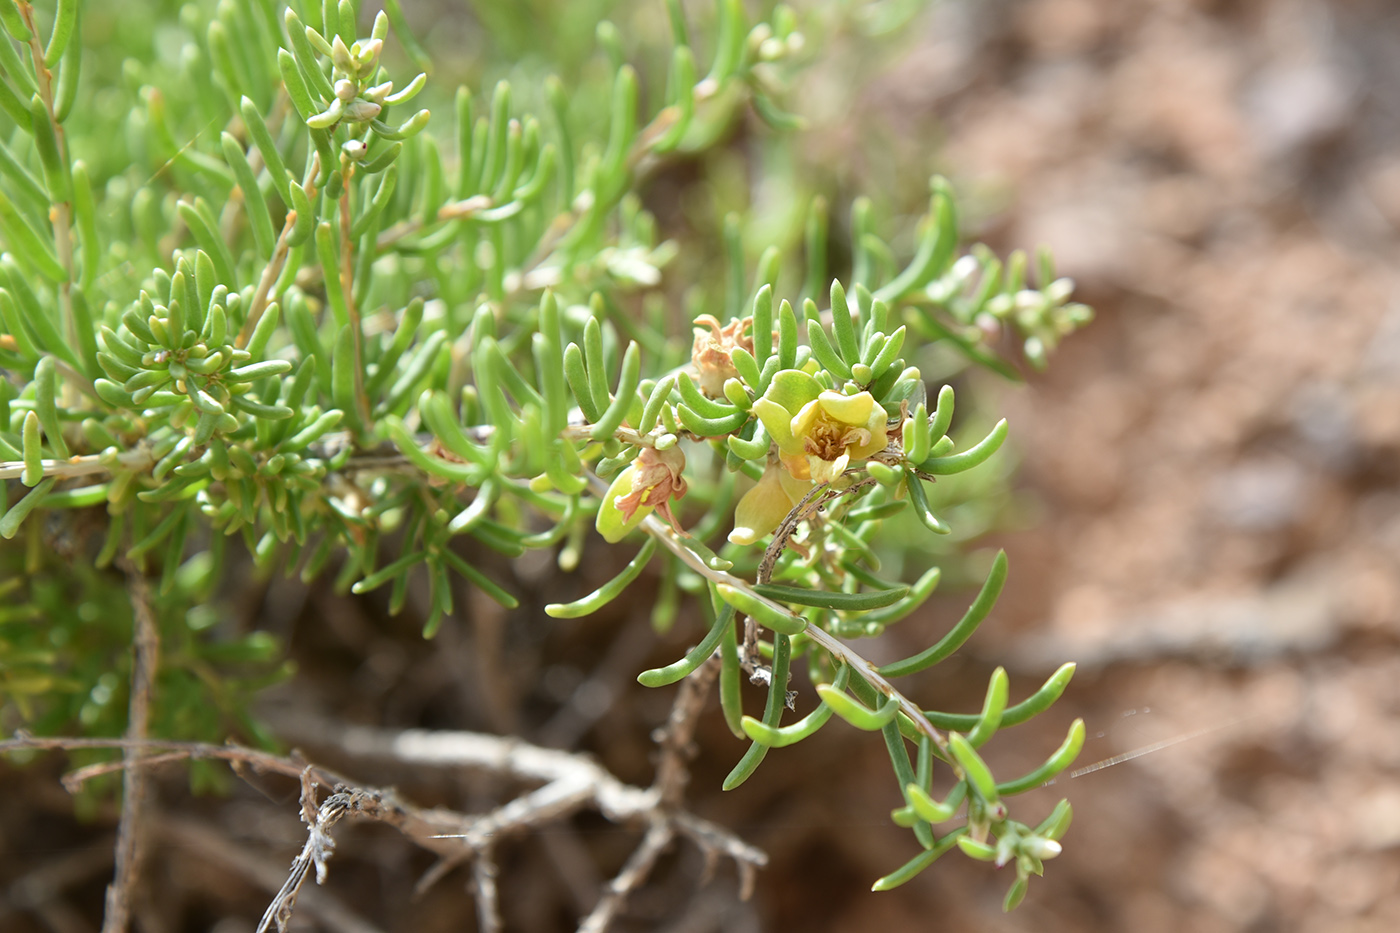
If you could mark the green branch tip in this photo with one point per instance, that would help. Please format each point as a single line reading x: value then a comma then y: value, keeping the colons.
x: 855, y: 712
x: 608, y: 591
x: 824, y: 599
x: 976, y: 613
x: 761, y: 611
x: 1062, y: 758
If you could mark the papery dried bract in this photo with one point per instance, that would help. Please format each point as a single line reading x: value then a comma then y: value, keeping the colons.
x: 713, y: 352
x: 648, y: 484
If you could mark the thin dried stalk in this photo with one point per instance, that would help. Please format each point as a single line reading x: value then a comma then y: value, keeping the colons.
x: 145, y: 659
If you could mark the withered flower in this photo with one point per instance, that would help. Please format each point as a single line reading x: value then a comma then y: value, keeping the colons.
x: 648, y: 484
x: 713, y: 352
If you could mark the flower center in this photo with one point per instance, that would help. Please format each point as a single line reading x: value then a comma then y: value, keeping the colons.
x: 829, y: 439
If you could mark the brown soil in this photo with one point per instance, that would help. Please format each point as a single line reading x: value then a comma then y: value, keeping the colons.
x: 1214, y: 459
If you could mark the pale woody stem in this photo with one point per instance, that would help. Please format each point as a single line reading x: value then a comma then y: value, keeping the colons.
x: 347, y: 287
x: 273, y: 270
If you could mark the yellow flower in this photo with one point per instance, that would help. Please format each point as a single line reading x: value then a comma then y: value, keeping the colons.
x: 818, y: 434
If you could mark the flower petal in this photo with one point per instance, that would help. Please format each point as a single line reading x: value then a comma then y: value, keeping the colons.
x: 849, y: 409
x: 762, y: 509
x: 795, y: 488
x: 879, y: 437
x: 802, y: 422
x: 796, y: 464
x: 826, y: 471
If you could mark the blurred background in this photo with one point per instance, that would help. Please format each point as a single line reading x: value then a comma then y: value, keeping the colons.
x: 1204, y: 513
x: 1212, y: 464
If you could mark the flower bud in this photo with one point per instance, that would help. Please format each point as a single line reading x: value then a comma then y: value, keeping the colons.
x: 360, y: 110
x: 367, y: 52
x: 771, y: 49
x: 764, y: 507
x: 1041, y: 848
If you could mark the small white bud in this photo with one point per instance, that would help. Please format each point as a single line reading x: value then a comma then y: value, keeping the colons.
x: 964, y: 268
x: 1042, y: 848
x: 361, y: 110
x: 1028, y: 299
x: 1058, y: 291
x: 346, y: 90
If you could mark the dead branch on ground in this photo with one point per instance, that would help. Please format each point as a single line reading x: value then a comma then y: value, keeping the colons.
x: 568, y: 784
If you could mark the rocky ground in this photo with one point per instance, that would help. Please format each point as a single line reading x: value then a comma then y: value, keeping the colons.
x: 1215, y: 458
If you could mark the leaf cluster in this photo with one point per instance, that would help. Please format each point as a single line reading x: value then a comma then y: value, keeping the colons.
x: 295, y: 309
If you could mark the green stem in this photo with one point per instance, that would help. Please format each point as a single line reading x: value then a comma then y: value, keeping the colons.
x: 63, y: 235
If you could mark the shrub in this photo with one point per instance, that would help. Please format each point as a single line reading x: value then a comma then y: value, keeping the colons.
x: 252, y: 292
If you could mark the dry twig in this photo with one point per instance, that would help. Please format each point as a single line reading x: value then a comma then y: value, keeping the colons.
x: 488, y: 907
x: 633, y: 874
x: 145, y: 658
x: 675, y: 739
x: 316, y: 852
x: 210, y: 843
x: 570, y: 783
